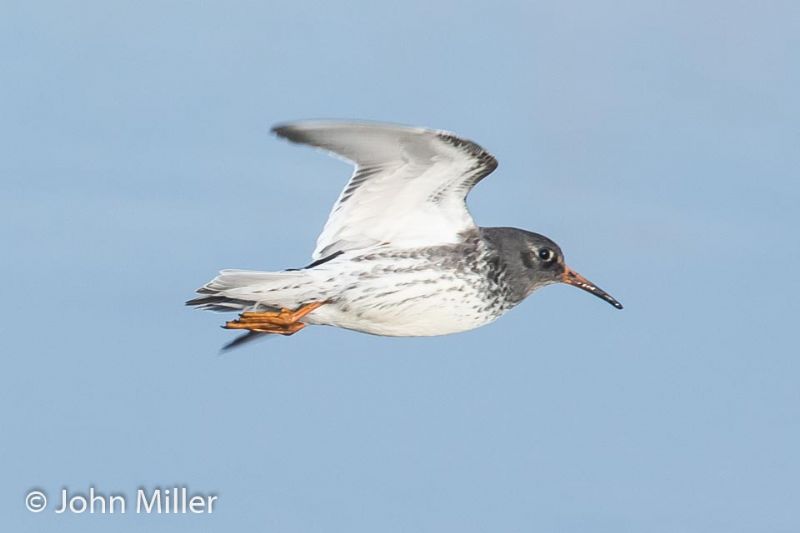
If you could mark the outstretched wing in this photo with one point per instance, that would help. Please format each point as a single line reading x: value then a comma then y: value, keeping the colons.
x: 409, y: 187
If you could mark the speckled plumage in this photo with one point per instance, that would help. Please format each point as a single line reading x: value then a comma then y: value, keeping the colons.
x: 428, y: 291
x: 400, y: 254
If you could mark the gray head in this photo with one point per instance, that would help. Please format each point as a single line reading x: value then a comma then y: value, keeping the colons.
x: 533, y: 261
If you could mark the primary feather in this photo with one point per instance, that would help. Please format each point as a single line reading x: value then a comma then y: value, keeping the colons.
x: 408, y: 189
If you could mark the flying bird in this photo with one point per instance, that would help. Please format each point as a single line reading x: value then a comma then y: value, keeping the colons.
x: 400, y: 254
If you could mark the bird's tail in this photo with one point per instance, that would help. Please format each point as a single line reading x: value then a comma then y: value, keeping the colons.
x: 235, y: 290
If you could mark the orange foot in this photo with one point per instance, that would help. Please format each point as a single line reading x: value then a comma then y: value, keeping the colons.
x: 283, y: 322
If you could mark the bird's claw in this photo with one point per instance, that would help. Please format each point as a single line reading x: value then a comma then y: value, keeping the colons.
x: 283, y: 322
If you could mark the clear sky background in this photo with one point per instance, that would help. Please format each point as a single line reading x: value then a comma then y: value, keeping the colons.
x: 656, y: 142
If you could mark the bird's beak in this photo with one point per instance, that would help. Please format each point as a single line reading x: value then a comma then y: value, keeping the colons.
x: 570, y: 277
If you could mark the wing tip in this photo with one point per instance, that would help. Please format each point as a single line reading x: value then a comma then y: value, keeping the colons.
x: 313, y: 132
x: 301, y: 129
x: 241, y: 340
x: 287, y: 130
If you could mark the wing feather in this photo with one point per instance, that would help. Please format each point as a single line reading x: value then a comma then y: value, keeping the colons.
x: 409, y: 187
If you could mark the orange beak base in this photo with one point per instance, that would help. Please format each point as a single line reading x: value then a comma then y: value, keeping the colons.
x: 570, y: 277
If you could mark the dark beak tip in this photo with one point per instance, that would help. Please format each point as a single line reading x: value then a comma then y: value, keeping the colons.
x: 571, y: 277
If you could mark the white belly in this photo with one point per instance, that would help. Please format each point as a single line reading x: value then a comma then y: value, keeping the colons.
x: 402, y: 295
x: 415, y: 310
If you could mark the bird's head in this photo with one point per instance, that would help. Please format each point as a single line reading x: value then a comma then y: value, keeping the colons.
x: 539, y: 261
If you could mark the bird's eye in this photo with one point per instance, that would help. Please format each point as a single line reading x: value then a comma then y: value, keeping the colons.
x: 546, y: 254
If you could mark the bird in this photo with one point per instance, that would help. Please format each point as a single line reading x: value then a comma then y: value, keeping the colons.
x: 400, y: 254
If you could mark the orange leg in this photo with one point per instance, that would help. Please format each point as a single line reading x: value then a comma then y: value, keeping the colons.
x: 282, y: 317
x: 283, y: 322
x: 290, y: 329
x: 266, y: 327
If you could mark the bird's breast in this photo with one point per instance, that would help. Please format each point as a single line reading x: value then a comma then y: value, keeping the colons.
x: 427, y: 293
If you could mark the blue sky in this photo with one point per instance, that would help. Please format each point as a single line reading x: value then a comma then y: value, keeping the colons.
x: 656, y: 142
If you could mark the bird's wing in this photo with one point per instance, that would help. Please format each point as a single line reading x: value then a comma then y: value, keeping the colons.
x: 408, y: 189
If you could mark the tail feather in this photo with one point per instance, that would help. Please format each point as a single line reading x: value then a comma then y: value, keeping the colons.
x: 234, y: 290
x: 219, y: 303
